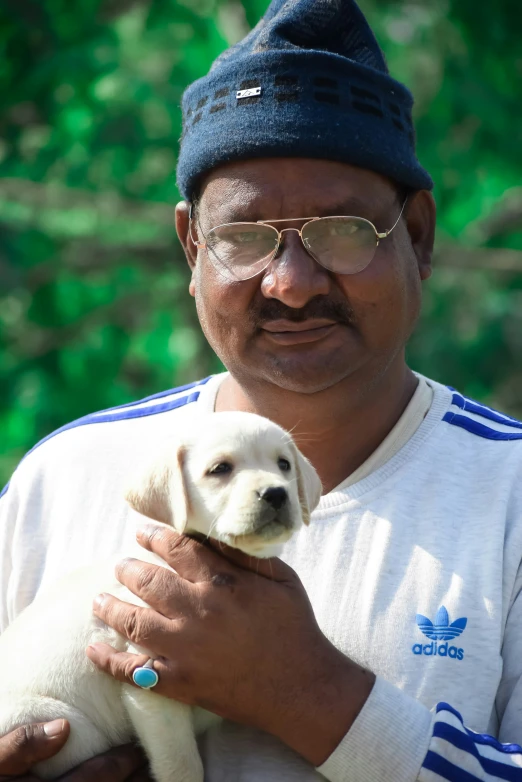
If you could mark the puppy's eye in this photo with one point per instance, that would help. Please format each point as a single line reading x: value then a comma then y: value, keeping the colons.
x: 283, y: 464
x: 220, y: 469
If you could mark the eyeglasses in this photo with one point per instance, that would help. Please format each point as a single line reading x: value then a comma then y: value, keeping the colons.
x: 344, y: 245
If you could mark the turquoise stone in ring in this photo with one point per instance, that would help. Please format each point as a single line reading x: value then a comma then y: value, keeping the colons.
x: 145, y: 677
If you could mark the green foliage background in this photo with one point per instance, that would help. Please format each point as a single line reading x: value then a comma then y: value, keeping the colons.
x: 93, y: 304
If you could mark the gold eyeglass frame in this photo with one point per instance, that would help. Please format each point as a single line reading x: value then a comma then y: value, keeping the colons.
x: 379, y: 236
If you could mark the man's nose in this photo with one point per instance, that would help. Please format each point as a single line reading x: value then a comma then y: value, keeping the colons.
x: 294, y: 277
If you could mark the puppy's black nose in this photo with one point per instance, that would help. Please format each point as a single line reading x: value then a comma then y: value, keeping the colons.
x: 276, y: 496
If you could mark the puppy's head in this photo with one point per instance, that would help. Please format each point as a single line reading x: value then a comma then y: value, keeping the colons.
x: 235, y: 477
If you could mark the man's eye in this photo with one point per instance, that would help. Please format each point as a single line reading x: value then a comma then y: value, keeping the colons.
x: 246, y: 237
x: 220, y: 469
x: 283, y: 464
x: 344, y: 229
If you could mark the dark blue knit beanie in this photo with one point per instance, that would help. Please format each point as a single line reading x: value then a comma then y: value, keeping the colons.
x: 308, y: 81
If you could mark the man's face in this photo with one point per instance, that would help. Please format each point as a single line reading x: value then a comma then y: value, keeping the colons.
x: 352, y: 325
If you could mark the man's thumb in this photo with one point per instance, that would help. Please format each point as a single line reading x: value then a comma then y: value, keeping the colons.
x: 29, y: 744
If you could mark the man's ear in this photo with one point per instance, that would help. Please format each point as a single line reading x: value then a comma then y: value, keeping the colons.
x: 160, y: 491
x: 309, y: 486
x: 421, y: 214
x: 186, y: 233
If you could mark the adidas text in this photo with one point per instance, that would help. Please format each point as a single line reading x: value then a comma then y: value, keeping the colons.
x: 442, y: 650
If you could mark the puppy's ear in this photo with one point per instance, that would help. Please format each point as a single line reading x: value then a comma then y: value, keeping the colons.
x: 160, y: 492
x: 309, y: 486
x: 180, y: 500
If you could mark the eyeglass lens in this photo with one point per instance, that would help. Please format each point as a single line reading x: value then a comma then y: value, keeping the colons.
x: 345, y: 245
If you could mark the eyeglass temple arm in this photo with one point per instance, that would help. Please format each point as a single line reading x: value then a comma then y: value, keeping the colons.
x: 199, y: 245
x: 387, y: 233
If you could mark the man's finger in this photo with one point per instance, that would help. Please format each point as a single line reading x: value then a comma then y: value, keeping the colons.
x: 196, y: 561
x: 29, y: 744
x: 192, y: 559
x: 163, y: 590
x: 142, y: 626
x: 121, y: 665
x: 116, y: 765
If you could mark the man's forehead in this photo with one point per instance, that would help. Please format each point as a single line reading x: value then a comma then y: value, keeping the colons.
x: 271, y: 188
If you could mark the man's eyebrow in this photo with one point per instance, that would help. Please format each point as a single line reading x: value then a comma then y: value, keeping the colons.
x: 351, y: 207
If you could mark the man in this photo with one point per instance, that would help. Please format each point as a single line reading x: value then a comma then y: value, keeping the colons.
x: 412, y: 562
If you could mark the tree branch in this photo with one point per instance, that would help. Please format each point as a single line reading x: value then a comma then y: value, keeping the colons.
x: 506, y: 218
x: 478, y: 259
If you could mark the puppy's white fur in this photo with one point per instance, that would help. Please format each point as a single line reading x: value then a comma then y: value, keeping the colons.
x: 211, y: 481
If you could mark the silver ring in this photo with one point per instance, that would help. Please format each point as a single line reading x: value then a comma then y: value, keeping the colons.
x: 145, y: 676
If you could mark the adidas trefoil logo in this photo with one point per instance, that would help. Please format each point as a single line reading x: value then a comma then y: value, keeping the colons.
x: 440, y: 630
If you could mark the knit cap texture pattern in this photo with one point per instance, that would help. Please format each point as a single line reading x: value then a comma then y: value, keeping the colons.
x: 310, y: 80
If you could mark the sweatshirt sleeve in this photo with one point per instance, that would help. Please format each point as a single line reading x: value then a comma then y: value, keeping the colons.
x: 397, y: 739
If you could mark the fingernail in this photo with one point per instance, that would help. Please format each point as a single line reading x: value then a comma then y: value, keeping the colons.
x: 144, y: 531
x: 98, y: 601
x: 53, y: 728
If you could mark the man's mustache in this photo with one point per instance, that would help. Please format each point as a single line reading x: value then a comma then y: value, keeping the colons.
x: 319, y: 307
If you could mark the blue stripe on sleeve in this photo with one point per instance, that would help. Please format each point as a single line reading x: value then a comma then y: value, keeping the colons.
x: 160, y: 395
x: 464, y: 741
x: 446, y: 770
x: 474, y: 427
x: 486, y: 412
x: 479, y: 738
x: 490, y: 741
x: 123, y: 415
x: 442, y: 706
x: 127, y: 412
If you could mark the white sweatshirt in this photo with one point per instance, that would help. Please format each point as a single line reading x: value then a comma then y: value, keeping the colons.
x: 413, y: 571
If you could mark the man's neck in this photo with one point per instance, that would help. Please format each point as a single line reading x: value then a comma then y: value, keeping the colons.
x: 336, y: 429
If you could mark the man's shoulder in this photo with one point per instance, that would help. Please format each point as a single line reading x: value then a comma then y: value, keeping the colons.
x: 474, y: 443
x: 481, y: 421
x: 112, y: 429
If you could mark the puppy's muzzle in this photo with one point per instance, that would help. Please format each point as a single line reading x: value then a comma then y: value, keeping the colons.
x: 273, y: 511
x: 275, y: 496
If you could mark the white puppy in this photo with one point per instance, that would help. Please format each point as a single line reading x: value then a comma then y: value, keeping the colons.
x: 235, y: 477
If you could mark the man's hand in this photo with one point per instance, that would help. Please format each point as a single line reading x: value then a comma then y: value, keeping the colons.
x: 30, y: 744
x: 237, y: 636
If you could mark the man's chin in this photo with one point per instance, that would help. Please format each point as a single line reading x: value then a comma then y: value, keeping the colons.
x: 307, y: 368
x: 302, y: 385
x: 303, y: 377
